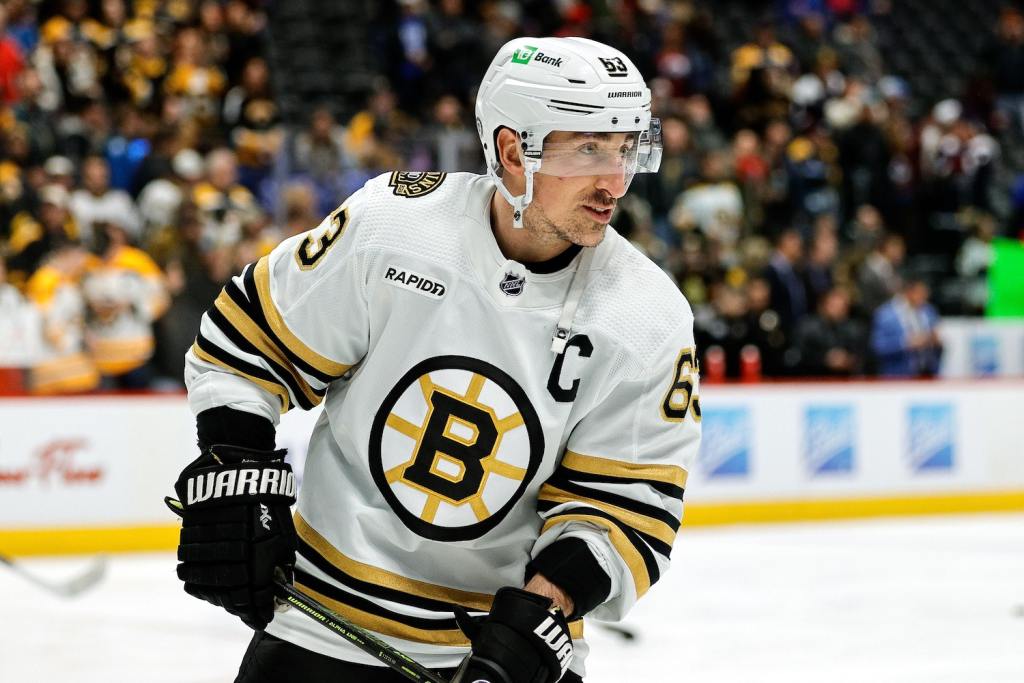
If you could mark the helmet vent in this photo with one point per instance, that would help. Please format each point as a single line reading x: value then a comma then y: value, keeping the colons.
x: 579, y: 105
x: 572, y: 111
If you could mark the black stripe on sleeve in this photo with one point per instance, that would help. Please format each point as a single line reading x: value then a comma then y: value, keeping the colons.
x: 377, y: 591
x: 654, y: 512
x: 360, y: 603
x: 663, y: 487
x: 249, y: 301
x: 236, y: 363
x: 284, y: 376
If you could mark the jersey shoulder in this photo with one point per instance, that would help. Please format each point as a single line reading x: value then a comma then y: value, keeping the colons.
x: 635, y: 303
x: 419, y: 212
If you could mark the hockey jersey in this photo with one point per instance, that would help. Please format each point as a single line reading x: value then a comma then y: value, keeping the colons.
x: 455, y: 443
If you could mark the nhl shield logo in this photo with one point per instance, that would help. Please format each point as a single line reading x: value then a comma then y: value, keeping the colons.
x: 512, y: 284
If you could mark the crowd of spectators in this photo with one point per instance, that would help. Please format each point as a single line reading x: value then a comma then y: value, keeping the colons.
x: 144, y: 160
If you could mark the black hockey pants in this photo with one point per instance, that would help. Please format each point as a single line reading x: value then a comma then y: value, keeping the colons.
x: 272, y: 660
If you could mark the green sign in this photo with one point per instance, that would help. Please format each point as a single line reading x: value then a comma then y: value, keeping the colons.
x: 1006, y: 280
x: 524, y: 54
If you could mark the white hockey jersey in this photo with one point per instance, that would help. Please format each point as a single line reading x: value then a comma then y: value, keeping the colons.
x: 454, y: 443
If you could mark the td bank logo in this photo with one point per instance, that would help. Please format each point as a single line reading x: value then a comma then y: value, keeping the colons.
x: 528, y: 52
x: 524, y: 54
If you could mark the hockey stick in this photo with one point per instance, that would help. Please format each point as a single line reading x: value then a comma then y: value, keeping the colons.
x: 396, y: 659
x: 68, y: 588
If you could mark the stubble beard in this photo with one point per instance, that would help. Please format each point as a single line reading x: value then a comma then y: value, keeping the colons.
x: 575, y: 230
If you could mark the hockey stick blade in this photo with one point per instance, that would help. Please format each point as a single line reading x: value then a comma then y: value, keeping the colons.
x: 396, y: 659
x: 67, y: 588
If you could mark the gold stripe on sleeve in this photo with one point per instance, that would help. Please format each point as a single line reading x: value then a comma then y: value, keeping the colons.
x: 669, y: 474
x: 325, y: 365
x: 625, y: 548
x: 648, y: 525
x: 258, y: 338
x: 274, y: 388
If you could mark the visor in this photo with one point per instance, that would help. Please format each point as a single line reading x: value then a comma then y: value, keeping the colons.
x: 591, y: 154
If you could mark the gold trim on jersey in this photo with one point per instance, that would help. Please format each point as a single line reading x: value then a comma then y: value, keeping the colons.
x: 252, y: 332
x: 629, y: 553
x: 261, y: 274
x: 648, y: 525
x: 389, y: 627
x: 480, y: 602
x: 668, y: 474
x: 364, y: 572
x: 274, y: 388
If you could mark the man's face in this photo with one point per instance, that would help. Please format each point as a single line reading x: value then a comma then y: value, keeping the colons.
x: 577, y: 208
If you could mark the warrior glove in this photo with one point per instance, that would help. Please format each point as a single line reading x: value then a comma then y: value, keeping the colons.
x: 523, y: 640
x: 237, y: 529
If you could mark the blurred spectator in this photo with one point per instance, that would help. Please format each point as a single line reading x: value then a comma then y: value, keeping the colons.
x: 300, y: 210
x: 903, y: 334
x: 221, y: 200
x: 1003, y: 59
x: 35, y: 235
x: 878, y: 279
x: 713, y: 205
x: 819, y: 270
x: 972, y: 264
x: 254, y: 123
x: 192, y: 284
x: 828, y: 343
x: 12, y: 61
x: 37, y: 121
x: 193, y: 79
x: 726, y: 330
x: 454, y: 46
x: 162, y: 197
x: 124, y: 292
x: 60, y: 171
x: 788, y: 295
x: 95, y: 202
x: 66, y: 65
x: 761, y: 74
x: 857, y: 45
x: 63, y: 366
x: 20, y: 326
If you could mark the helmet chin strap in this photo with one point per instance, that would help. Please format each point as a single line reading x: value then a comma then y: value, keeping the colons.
x: 518, y: 202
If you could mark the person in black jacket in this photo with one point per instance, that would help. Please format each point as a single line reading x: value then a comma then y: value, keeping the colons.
x: 829, y: 343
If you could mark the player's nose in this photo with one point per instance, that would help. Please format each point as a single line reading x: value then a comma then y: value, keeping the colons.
x: 613, y: 183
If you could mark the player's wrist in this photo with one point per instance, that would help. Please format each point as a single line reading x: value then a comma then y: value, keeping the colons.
x: 571, y: 566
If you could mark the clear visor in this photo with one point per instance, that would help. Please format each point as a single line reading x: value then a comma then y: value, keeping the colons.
x: 589, y: 154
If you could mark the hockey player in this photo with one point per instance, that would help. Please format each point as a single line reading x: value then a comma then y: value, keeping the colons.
x: 510, y: 400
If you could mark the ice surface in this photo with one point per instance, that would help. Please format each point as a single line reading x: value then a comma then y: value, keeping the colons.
x: 936, y: 600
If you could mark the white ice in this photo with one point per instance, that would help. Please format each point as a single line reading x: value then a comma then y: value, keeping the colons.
x: 929, y: 600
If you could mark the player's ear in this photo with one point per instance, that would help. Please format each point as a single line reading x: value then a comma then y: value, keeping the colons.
x: 507, y: 147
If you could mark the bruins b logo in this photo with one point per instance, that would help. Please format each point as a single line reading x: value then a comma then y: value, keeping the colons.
x: 454, y: 446
x: 415, y: 183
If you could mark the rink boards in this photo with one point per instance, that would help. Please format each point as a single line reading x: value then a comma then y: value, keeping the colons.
x: 89, y: 474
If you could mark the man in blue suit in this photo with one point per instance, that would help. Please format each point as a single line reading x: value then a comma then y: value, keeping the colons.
x: 903, y: 334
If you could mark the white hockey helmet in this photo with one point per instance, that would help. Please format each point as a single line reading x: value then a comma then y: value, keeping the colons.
x: 535, y: 86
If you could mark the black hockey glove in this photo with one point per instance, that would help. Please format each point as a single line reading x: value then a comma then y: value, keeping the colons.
x: 523, y: 640
x: 236, y: 529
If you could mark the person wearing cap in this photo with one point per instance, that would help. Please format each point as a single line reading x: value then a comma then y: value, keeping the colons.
x: 60, y: 171
x: 510, y: 395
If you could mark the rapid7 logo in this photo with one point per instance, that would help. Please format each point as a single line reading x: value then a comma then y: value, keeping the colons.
x: 615, y: 66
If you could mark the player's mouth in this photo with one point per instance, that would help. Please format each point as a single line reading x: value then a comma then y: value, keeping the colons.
x: 601, y: 214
